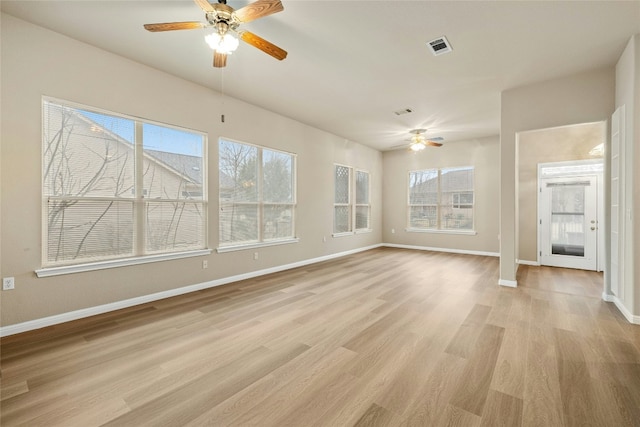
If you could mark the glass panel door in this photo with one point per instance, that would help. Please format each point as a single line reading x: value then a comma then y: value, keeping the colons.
x: 568, y: 222
x: 568, y: 219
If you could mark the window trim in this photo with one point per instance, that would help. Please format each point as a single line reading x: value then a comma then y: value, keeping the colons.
x: 260, y: 204
x: 139, y: 256
x: 120, y: 262
x: 266, y: 244
x: 439, y: 204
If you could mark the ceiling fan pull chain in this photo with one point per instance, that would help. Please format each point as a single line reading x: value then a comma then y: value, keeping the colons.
x: 222, y: 91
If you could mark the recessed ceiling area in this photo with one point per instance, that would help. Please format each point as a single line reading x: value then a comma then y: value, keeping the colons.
x: 352, y: 64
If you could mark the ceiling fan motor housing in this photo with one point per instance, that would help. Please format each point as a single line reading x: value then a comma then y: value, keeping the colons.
x: 222, y: 18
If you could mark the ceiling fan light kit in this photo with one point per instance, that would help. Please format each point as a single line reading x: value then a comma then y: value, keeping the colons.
x: 225, y: 43
x: 417, y: 146
x: 224, y: 20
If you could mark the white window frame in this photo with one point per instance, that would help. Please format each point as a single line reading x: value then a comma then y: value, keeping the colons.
x: 438, y: 229
x: 352, y: 202
x: 139, y: 254
x: 260, y: 204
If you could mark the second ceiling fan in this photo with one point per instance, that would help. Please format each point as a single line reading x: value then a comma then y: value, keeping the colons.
x: 419, y: 142
x: 224, y: 20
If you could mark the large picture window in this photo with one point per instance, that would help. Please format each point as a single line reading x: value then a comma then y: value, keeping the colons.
x: 119, y: 187
x: 257, y: 195
x: 351, y: 212
x: 441, y: 199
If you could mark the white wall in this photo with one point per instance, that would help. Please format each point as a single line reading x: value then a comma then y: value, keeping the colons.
x: 37, y: 62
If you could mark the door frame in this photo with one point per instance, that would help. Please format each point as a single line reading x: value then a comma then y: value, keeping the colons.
x: 576, y: 168
x: 618, y: 199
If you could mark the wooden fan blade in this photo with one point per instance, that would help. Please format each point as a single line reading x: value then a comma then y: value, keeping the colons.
x: 171, y: 26
x: 205, y: 5
x: 219, y: 60
x: 433, y: 143
x: 258, y: 9
x: 263, y: 45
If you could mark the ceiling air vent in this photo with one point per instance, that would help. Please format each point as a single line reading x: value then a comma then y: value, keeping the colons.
x: 403, y: 111
x: 439, y: 46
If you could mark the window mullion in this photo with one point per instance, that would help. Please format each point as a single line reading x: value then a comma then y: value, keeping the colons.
x: 140, y: 208
x: 352, y: 199
x: 439, y: 201
x: 260, y: 197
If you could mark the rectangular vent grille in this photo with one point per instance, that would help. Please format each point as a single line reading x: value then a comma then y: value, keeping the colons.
x: 403, y: 111
x: 440, y: 46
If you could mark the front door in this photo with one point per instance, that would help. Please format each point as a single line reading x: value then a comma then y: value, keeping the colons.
x: 569, y: 222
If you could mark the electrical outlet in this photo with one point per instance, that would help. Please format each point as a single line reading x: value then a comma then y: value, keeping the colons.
x: 8, y: 283
x: 324, y: 239
x: 205, y: 264
x: 393, y: 231
x: 255, y: 255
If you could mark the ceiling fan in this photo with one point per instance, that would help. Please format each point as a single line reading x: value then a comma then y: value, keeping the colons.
x: 418, y: 142
x: 224, y: 20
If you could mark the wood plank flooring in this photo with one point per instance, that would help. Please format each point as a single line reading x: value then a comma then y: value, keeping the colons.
x: 386, y: 337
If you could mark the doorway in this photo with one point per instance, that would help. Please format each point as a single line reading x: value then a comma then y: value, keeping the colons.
x: 569, y: 210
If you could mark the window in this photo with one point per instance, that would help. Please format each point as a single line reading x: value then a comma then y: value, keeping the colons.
x: 350, y: 212
x: 441, y: 199
x: 342, y: 200
x: 363, y: 209
x: 257, y: 195
x: 118, y: 187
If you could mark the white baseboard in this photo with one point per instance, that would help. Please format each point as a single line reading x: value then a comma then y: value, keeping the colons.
x: 525, y: 262
x: 631, y: 318
x: 508, y: 283
x: 105, y: 308
x: 453, y: 251
x: 607, y: 297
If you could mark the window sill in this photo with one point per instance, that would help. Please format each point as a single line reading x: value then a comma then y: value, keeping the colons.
x: 351, y: 233
x: 423, y: 230
x: 114, y: 263
x: 346, y: 233
x: 224, y: 249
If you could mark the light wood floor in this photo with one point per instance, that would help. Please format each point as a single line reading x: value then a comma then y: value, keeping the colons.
x: 387, y: 337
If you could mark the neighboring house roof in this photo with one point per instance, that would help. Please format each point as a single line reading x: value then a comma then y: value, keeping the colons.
x: 189, y: 166
x: 455, y: 180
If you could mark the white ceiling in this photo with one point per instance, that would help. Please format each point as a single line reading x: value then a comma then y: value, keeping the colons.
x: 352, y: 63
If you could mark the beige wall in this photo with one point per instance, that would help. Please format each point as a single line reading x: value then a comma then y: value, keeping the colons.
x: 37, y: 62
x: 628, y: 94
x: 582, y: 98
x: 545, y: 146
x: 481, y: 153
